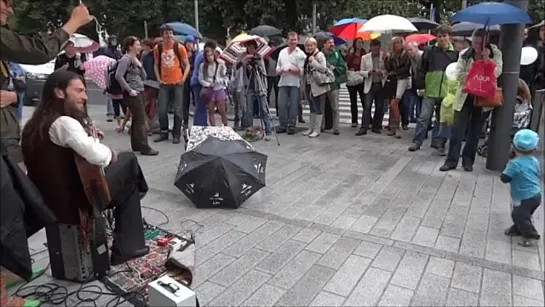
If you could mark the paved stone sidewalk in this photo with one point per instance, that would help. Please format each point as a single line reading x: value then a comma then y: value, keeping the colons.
x: 350, y: 221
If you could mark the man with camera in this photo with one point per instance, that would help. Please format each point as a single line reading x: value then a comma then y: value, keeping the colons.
x: 254, y: 76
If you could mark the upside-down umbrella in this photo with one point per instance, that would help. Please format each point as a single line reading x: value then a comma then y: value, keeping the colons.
x: 236, y: 47
x: 388, y: 24
x: 467, y: 28
x: 219, y: 169
x: 492, y: 13
x: 420, y: 38
x: 95, y: 70
x: 423, y: 24
x: 181, y: 28
x: 347, y: 28
x: 265, y: 31
x: 84, y: 44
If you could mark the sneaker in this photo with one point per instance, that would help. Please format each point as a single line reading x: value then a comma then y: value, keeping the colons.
x: 149, y: 152
x: 109, y: 118
x: 161, y: 138
x: 291, y: 131
x: 414, y: 147
x: 268, y: 137
x: 446, y: 168
x: 441, y: 151
x: 354, y: 125
x: 362, y: 131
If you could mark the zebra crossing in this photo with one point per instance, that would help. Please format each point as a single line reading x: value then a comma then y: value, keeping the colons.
x: 344, y: 108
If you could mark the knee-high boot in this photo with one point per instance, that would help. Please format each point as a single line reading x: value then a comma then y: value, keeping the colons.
x: 311, y: 124
x: 317, y: 126
x: 129, y: 241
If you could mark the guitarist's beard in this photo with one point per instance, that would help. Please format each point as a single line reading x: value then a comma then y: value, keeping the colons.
x: 76, y: 111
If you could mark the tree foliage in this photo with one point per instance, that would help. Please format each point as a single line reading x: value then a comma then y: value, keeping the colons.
x: 220, y: 18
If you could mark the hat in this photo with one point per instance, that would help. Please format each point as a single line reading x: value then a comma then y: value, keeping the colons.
x: 190, y: 38
x: 525, y: 140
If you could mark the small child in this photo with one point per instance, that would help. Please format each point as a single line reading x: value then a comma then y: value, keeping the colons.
x: 523, y: 175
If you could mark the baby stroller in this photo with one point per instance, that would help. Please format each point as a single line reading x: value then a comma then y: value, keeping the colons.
x: 522, y: 116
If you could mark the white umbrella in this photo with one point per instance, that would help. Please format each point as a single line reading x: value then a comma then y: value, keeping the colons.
x: 388, y: 24
x: 528, y: 55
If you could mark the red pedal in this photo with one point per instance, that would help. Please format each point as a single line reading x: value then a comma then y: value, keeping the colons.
x: 163, y: 242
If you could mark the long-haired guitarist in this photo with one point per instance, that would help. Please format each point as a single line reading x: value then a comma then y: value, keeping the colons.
x: 59, y: 128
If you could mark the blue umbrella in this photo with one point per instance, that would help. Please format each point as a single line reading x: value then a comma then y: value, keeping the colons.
x: 326, y: 35
x: 467, y: 28
x: 492, y: 13
x: 350, y: 20
x: 184, y: 29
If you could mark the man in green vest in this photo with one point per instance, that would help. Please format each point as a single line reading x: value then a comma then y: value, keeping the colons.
x: 336, y: 63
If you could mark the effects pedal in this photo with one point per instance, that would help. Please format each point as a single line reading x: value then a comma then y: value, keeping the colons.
x: 167, y: 292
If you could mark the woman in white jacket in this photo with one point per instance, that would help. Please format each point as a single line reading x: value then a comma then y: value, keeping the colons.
x: 314, y: 91
x: 466, y: 114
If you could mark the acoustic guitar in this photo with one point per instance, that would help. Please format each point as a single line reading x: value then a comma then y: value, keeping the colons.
x: 97, y: 192
x: 93, y: 177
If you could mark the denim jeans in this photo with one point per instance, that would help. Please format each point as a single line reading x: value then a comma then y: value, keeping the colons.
x: 414, y: 104
x: 171, y: 93
x: 238, y: 108
x: 469, y: 118
x: 375, y: 94
x: 20, y: 99
x: 430, y: 105
x: 289, y: 99
x: 200, y: 115
x: 109, y: 107
x: 263, y: 111
x: 315, y: 104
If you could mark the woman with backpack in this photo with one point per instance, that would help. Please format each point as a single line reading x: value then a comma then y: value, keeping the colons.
x: 213, y: 79
x: 131, y: 75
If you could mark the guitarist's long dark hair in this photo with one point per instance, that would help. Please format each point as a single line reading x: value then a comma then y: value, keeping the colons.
x: 51, y: 106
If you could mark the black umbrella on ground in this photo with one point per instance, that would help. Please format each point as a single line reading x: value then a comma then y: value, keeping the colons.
x: 423, y: 24
x: 221, y: 173
x: 265, y: 31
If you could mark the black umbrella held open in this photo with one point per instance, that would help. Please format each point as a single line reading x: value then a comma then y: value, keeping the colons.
x: 265, y: 31
x: 423, y: 24
x: 220, y: 173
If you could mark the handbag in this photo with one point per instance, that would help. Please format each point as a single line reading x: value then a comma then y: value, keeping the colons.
x: 490, y: 103
x: 353, y: 78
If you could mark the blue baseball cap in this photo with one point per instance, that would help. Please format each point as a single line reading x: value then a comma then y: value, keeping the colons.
x: 526, y: 140
x: 190, y: 38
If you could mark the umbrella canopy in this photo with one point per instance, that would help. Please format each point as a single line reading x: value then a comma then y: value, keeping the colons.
x: 420, y: 38
x: 538, y: 25
x: 95, y: 69
x: 388, y: 24
x: 220, y: 173
x: 347, y: 28
x: 181, y: 28
x: 265, y: 31
x: 423, y: 24
x: 492, y: 13
x: 323, y: 36
x: 236, y: 47
x: 467, y: 28
x: 84, y: 44
x: 274, y: 54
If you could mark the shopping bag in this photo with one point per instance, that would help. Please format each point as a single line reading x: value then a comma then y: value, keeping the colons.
x: 481, y: 81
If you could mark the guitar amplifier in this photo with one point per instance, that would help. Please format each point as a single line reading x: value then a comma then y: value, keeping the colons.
x: 72, y: 261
